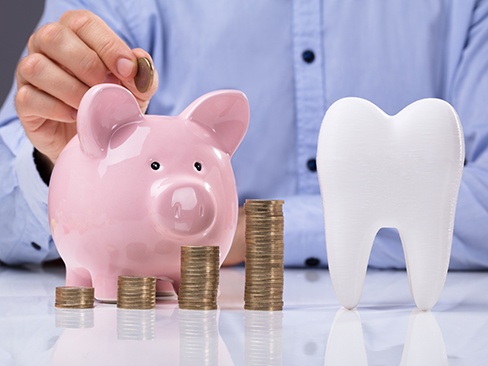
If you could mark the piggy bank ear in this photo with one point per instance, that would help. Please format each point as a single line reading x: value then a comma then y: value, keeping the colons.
x: 225, y: 113
x: 103, y: 110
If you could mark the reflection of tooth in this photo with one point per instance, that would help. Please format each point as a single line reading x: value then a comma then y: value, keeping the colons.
x: 424, y: 344
x: 399, y: 171
x: 345, y: 345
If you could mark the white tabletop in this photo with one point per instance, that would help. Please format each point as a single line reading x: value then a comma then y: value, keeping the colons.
x: 311, y: 330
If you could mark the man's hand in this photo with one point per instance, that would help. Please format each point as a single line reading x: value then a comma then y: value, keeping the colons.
x: 64, y: 60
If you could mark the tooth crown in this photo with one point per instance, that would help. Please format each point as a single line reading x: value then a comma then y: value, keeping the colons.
x: 400, y: 171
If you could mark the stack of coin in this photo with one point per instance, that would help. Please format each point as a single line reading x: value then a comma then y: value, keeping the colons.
x: 199, y: 277
x: 136, y: 292
x: 264, y: 255
x: 71, y: 297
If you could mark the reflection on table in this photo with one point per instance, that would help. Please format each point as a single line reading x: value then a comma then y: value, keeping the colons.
x: 386, y: 329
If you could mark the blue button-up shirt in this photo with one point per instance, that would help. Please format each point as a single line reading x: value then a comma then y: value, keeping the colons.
x: 293, y: 59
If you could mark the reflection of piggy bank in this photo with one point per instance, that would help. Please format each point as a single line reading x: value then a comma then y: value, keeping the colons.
x: 130, y: 190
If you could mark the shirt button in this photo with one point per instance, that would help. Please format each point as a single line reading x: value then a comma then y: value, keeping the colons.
x: 308, y: 56
x: 312, y: 165
x: 36, y: 246
x: 312, y: 262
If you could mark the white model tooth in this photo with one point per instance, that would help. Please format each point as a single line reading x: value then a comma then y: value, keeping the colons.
x: 400, y: 171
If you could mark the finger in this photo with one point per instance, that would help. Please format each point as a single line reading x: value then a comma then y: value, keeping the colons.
x: 63, y: 46
x: 50, y: 137
x: 97, y: 35
x: 45, y: 75
x: 34, y: 106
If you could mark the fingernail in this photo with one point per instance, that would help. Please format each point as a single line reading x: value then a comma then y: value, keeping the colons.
x: 125, y: 67
x: 145, y: 74
x: 74, y: 114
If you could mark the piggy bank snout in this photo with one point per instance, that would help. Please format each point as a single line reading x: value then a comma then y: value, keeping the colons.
x: 186, y: 209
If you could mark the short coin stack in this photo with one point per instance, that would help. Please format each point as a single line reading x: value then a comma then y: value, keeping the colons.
x: 264, y: 255
x: 71, y: 297
x: 136, y: 292
x: 199, y: 277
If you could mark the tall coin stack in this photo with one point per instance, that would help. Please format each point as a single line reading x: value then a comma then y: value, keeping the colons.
x: 136, y: 292
x: 264, y: 255
x: 199, y: 277
x: 71, y: 297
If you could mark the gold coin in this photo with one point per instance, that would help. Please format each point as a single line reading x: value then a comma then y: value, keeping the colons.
x: 74, y: 297
x: 199, y: 277
x: 264, y: 255
x: 136, y: 292
x: 277, y: 307
x: 145, y: 74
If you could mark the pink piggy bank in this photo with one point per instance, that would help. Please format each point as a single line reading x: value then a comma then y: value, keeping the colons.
x: 130, y: 189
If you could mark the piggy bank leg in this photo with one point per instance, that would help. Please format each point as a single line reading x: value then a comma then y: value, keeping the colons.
x: 164, y: 287
x: 105, y: 287
x: 176, y: 286
x: 78, y: 277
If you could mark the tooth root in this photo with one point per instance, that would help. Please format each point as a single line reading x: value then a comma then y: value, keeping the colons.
x: 427, y: 269
x: 399, y: 171
x: 348, y: 251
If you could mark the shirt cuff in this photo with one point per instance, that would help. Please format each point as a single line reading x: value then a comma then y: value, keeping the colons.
x: 33, y: 188
x: 35, y: 193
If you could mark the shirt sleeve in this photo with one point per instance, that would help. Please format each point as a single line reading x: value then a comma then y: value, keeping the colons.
x: 468, y: 95
x: 466, y: 90
x: 24, y: 228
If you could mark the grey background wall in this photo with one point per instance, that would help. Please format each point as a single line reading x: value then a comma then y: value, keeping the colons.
x: 18, y: 18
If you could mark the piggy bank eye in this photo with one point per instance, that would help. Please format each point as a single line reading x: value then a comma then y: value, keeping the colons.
x: 198, y: 166
x: 155, y: 165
